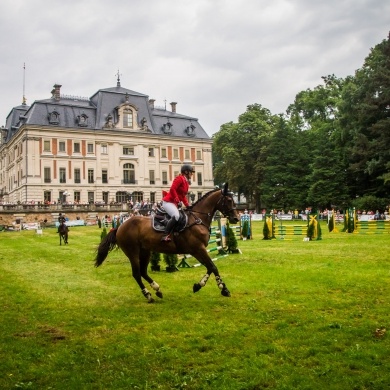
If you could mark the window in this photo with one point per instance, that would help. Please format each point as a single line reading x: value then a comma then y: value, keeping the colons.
x: 151, y: 152
x: 176, y: 154
x: 151, y: 177
x: 76, y: 196
x: 47, y: 175
x: 104, y: 176
x: 199, y: 155
x: 61, y: 146
x: 104, y: 149
x: 187, y: 154
x: 47, y: 196
x: 77, y: 175
x: 105, y: 197
x: 121, y: 197
x: 163, y: 153
x: 128, y: 151
x: 128, y: 118
x: 199, y: 177
x: 46, y: 146
x: 91, y: 196
x: 54, y: 117
x: 165, y: 178
x: 90, y: 176
x: 152, y: 197
x: 62, y: 175
x: 128, y: 174
x: 89, y: 148
x: 76, y: 147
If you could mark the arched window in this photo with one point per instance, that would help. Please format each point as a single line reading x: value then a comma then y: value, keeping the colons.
x: 128, y: 120
x: 128, y: 174
x: 121, y: 197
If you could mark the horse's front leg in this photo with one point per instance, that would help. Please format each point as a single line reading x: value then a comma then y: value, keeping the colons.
x: 211, y: 269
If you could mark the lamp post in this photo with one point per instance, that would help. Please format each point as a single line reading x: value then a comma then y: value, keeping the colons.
x: 192, y: 197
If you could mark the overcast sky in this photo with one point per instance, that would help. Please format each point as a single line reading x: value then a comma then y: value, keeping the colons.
x: 212, y: 57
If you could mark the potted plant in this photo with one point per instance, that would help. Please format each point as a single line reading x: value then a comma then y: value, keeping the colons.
x: 155, y: 258
x: 231, y: 241
x: 103, y: 234
x: 171, y: 261
x: 245, y: 230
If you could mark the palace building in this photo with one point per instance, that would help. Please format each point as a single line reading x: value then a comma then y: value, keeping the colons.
x: 115, y: 146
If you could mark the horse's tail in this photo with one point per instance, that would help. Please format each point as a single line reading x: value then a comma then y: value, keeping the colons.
x: 105, y: 247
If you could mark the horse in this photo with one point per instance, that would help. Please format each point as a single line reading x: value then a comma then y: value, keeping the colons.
x: 137, y: 238
x: 63, y: 231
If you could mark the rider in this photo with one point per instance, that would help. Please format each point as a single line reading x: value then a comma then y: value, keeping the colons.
x: 177, y: 194
x: 61, y: 220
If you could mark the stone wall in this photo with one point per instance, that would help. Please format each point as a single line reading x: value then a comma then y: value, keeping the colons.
x: 11, y: 217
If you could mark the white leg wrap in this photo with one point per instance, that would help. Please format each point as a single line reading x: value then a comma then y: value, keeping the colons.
x: 155, y: 286
x: 204, y: 280
x: 220, y: 283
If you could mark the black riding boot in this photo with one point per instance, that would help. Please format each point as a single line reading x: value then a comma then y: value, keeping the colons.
x: 169, y: 229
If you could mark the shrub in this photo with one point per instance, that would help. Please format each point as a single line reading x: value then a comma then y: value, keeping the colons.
x: 103, y: 234
x: 171, y: 260
x: 231, y: 241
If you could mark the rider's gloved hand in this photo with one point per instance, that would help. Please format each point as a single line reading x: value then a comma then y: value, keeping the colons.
x: 180, y: 205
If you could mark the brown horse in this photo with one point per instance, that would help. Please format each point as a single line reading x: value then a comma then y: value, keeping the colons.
x: 137, y: 238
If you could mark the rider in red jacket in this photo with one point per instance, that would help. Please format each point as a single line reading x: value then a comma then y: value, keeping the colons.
x: 176, y: 196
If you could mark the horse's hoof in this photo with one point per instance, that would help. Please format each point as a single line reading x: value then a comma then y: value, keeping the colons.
x: 159, y: 294
x: 225, y: 292
x: 150, y: 300
x: 196, y: 287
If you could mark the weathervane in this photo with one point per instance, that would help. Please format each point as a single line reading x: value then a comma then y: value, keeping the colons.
x: 118, y: 80
x: 24, y: 82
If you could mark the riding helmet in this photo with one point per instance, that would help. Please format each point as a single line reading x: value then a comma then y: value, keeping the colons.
x: 187, y: 167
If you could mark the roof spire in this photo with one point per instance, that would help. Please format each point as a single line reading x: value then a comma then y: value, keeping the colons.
x: 118, y: 80
x: 24, y: 81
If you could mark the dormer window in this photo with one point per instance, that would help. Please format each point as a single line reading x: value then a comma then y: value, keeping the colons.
x: 82, y: 120
x: 190, y: 130
x: 54, y: 117
x: 167, y: 127
x: 128, y: 120
x: 127, y: 116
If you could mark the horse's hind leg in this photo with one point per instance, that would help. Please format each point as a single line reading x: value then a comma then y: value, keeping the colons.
x: 144, y: 262
x: 136, y: 272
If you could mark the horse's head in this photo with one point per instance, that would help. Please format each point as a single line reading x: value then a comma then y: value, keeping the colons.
x: 227, y: 206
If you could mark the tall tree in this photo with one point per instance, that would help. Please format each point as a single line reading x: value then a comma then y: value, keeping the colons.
x: 365, y: 114
x: 241, y: 149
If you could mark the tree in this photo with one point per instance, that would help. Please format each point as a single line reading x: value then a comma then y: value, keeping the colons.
x: 365, y: 114
x: 240, y: 151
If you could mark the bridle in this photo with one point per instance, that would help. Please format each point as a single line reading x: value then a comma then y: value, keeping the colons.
x: 223, y: 198
x: 222, y: 202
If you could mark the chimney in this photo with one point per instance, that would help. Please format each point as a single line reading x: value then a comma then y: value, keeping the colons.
x: 173, y: 105
x: 151, y: 103
x: 56, y: 92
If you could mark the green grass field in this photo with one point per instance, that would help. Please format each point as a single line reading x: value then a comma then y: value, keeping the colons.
x: 302, y: 315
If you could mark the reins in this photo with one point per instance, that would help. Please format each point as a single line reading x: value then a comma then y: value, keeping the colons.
x: 199, y: 221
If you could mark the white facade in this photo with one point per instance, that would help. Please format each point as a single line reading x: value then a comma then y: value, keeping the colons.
x: 116, y: 162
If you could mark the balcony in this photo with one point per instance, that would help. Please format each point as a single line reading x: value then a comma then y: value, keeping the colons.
x: 129, y: 181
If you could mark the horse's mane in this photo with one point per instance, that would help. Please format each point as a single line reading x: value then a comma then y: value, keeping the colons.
x: 204, y: 197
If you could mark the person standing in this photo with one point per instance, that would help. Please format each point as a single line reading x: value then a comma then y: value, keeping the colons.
x: 176, y: 196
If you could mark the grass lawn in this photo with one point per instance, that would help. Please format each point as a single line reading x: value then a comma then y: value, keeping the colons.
x: 302, y: 315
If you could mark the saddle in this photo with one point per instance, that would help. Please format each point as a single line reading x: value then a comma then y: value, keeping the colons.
x: 160, y: 219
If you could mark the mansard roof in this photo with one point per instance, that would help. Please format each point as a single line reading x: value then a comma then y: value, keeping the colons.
x: 66, y: 111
